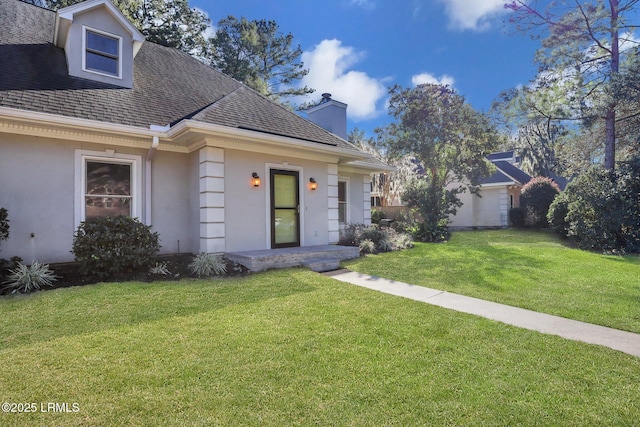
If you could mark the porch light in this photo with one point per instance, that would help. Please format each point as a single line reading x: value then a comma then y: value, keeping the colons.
x: 255, y: 180
x: 313, y: 185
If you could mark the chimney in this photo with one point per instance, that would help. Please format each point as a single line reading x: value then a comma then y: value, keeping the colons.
x: 330, y: 115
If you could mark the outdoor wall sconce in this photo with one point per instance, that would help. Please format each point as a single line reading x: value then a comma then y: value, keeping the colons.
x: 313, y: 185
x: 255, y: 180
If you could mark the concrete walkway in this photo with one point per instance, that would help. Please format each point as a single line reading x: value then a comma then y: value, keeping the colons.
x: 626, y: 342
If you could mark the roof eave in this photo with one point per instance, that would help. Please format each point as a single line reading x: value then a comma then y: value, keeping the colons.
x: 192, y: 132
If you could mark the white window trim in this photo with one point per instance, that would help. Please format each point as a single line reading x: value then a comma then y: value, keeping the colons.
x: 347, y: 196
x: 84, y: 52
x: 108, y: 156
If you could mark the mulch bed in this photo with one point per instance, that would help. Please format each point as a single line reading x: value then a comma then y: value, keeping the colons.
x: 178, y: 265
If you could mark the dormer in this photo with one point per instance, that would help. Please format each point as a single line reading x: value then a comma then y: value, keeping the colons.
x: 99, y: 42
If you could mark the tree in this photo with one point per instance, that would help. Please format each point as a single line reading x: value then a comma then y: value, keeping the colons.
x: 536, y: 138
x: 388, y: 185
x: 170, y: 23
x: 448, y: 137
x: 257, y: 54
x: 581, y: 50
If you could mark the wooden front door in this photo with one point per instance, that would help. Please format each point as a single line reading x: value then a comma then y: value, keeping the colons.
x: 285, y: 208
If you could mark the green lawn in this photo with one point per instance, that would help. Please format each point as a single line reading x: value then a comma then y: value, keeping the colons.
x: 533, y: 270
x: 293, y: 347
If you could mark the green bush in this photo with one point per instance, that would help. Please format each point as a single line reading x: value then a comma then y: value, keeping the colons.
x: 207, y: 265
x: 536, y: 197
x: 4, y: 224
x: 433, y: 233
x: 6, y: 264
x: 377, y: 215
x: 30, y: 278
x: 600, y: 210
x: 557, y: 215
x: 383, y: 239
x: 113, y: 248
x: 518, y: 217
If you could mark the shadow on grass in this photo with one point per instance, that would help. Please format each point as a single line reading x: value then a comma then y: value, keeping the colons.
x: 46, y: 316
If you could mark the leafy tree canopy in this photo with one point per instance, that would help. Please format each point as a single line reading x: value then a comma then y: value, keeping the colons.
x: 583, y: 46
x: 447, y: 136
x: 170, y: 23
x: 257, y: 54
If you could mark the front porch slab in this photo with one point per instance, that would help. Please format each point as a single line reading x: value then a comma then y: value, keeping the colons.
x: 261, y: 260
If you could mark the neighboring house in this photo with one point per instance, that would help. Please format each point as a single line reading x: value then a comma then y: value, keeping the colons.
x: 498, y: 193
x: 96, y: 121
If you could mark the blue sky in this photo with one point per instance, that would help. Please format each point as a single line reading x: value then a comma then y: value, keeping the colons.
x: 357, y: 49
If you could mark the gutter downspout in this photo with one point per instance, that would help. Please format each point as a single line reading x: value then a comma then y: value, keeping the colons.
x: 155, y: 142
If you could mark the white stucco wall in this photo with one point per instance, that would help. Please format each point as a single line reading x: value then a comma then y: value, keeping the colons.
x: 172, y: 202
x: 247, y: 208
x: 37, y: 178
x: 488, y: 209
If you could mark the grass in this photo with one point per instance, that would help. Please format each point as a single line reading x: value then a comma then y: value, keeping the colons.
x: 533, y: 270
x: 293, y: 347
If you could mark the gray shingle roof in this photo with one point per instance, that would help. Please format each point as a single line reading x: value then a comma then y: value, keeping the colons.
x: 169, y: 85
x: 506, y: 172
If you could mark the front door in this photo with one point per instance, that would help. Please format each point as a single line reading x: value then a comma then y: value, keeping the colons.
x: 285, y: 209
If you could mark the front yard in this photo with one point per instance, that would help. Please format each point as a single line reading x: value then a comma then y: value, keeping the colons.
x: 533, y: 270
x: 293, y: 347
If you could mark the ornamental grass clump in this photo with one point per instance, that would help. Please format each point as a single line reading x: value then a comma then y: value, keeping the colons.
x: 206, y: 265
x: 24, y: 279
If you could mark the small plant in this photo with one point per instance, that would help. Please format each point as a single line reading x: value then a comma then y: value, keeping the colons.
x: 30, y: 278
x: 160, y: 269
x: 367, y: 246
x: 206, y: 265
x: 384, y: 245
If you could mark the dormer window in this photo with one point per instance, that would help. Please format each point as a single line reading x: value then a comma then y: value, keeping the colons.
x: 102, y: 53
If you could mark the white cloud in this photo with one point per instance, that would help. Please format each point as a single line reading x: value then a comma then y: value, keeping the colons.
x: 472, y: 14
x: 426, y: 78
x: 329, y: 63
x: 367, y: 4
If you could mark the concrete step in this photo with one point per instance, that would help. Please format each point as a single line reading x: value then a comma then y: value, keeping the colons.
x: 322, y: 265
x: 261, y: 260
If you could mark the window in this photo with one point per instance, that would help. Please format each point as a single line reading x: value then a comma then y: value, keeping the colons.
x: 107, y: 184
x: 102, y: 53
x: 342, y: 202
x: 108, y: 189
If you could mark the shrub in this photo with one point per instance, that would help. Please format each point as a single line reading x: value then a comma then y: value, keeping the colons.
x: 108, y: 248
x: 30, y: 278
x: 384, y: 239
x: 207, y: 265
x: 433, y: 233
x: 517, y: 216
x: 377, y: 215
x: 536, y: 197
x: 4, y: 224
x: 6, y: 265
x: 558, y: 213
x: 373, y: 233
x: 600, y: 210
